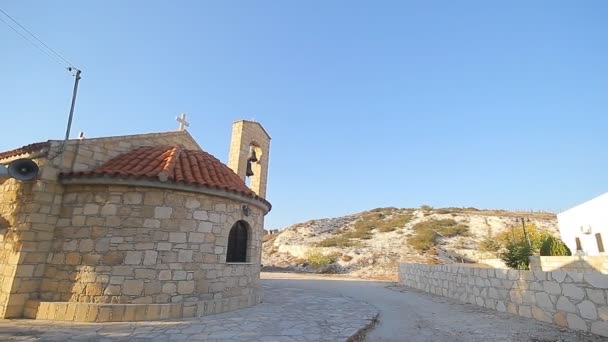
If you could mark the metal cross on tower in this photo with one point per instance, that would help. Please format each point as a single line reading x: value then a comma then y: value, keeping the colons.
x: 182, y: 122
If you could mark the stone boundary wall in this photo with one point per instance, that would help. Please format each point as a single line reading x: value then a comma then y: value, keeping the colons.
x: 575, y: 263
x: 567, y: 299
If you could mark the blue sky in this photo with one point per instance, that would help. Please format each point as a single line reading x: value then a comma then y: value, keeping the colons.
x: 384, y: 103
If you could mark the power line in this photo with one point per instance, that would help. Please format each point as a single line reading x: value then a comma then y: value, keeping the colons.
x: 38, y: 39
x: 31, y: 42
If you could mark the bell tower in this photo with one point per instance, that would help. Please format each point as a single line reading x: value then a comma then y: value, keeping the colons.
x: 248, y: 157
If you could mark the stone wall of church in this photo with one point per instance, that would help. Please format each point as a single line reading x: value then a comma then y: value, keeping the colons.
x: 12, y: 196
x: 28, y: 213
x: 137, y: 245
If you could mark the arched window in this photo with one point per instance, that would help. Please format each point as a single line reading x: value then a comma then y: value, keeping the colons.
x: 237, y: 242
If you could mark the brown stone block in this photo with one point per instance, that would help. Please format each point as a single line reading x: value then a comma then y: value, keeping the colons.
x: 145, y: 274
x: 34, y: 258
x: 143, y: 300
x: 113, y: 221
x: 113, y: 258
x: 124, y: 212
x: 153, y: 312
x: 81, y: 313
x: 73, y: 258
x: 25, y: 285
x: 560, y: 319
x: 130, y: 311
x: 165, y: 311
x: 174, y: 200
x: 189, y: 311
x: 118, y: 313
x: 92, y: 313
x: 176, y: 311
x: 122, y: 270
x: 140, y: 312
x: 105, y: 314
x: 143, y: 235
x: 94, y: 289
x: 70, y: 312
x: 133, y: 287
x: 98, y: 231
x: 91, y: 259
x: 154, y: 198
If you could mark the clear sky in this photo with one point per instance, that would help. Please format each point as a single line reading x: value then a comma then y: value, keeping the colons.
x: 369, y: 103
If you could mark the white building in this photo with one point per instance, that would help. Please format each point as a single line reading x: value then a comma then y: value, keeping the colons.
x: 585, y: 227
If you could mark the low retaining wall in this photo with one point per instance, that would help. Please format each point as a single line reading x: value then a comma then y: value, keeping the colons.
x: 567, y: 299
x: 581, y: 264
x: 94, y: 312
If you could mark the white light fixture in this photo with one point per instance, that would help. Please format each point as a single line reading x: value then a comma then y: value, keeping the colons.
x: 586, y: 229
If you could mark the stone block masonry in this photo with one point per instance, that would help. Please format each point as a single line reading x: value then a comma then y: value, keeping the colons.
x: 162, y: 252
x: 573, y: 300
x: 575, y: 263
x: 122, y: 248
x: 29, y: 212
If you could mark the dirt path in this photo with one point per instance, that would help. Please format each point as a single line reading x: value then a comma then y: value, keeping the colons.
x: 411, y: 315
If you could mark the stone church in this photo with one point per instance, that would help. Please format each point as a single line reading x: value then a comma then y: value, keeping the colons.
x: 136, y: 227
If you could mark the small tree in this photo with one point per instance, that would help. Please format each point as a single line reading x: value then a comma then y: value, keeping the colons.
x: 318, y: 260
x: 489, y: 243
x: 554, y: 247
x: 517, y: 255
x: 515, y: 234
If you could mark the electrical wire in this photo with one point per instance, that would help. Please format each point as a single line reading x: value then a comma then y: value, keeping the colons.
x: 32, y: 43
x: 38, y: 39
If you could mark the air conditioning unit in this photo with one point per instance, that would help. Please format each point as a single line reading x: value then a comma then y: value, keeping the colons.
x: 586, y: 229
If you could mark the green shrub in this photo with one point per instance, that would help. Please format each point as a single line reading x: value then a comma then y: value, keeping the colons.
x: 381, y: 219
x: 423, y: 240
x: 427, y: 232
x: 489, y: 245
x: 554, y: 247
x: 517, y: 255
x: 318, y: 260
x: 396, y: 221
x: 515, y: 234
x: 445, y: 227
x: 338, y: 241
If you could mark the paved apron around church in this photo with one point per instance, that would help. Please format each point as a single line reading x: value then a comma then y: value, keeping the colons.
x: 287, y: 314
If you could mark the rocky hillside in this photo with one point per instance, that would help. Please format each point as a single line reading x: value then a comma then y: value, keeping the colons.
x: 369, y: 244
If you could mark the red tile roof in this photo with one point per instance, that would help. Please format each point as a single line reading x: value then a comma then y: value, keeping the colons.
x: 25, y: 150
x: 172, y: 163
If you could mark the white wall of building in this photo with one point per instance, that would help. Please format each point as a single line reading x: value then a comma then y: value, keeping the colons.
x: 585, y: 221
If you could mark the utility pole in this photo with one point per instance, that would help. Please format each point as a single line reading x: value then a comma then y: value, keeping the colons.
x: 523, y: 226
x: 76, y: 81
x: 67, y: 131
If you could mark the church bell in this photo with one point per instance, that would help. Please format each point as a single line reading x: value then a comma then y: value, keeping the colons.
x: 252, y: 156
x: 249, y: 172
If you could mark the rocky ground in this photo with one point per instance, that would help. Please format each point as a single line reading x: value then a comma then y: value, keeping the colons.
x: 371, y: 243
